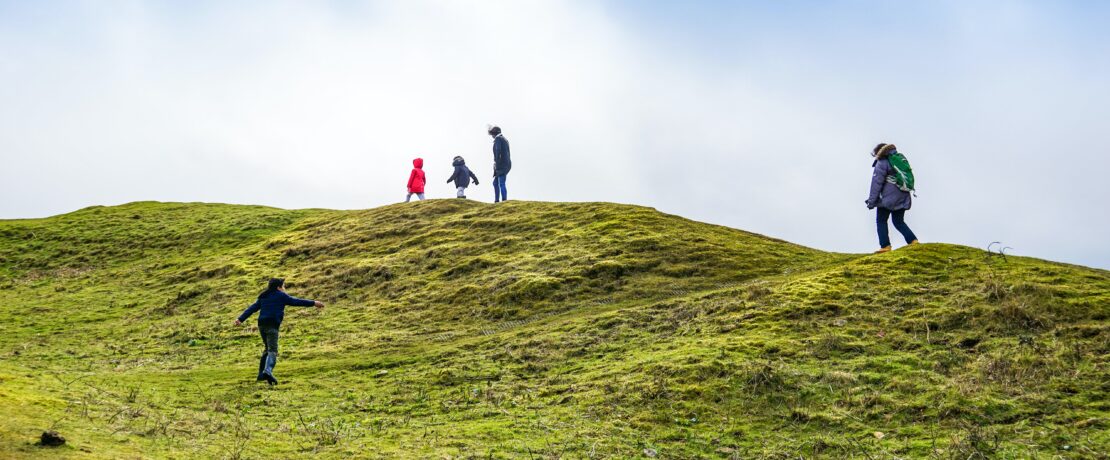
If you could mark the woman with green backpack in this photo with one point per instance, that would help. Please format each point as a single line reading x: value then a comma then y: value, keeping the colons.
x: 891, y: 185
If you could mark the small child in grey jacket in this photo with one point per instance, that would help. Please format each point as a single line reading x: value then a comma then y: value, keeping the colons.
x: 462, y: 177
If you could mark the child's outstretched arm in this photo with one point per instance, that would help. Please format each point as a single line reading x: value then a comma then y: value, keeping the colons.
x: 295, y: 302
x: 472, y: 176
x: 248, y: 312
x: 453, y: 174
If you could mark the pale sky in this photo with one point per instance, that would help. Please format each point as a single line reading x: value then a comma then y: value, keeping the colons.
x: 755, y: 115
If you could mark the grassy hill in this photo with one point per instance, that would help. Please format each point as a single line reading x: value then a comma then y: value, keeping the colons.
x: 457, y: 329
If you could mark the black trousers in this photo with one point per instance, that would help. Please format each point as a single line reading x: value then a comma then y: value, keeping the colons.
x: 269, y: 333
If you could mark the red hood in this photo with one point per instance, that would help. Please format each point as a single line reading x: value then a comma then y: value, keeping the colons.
x: 418, y: 163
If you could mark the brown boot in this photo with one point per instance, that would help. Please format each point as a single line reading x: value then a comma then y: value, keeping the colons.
x: 886, y: 249
x: 914, y: 242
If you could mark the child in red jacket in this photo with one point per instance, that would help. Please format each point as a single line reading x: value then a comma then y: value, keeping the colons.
x: 416, y: 180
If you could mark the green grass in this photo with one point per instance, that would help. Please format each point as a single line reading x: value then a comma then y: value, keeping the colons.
x: 535, y: 330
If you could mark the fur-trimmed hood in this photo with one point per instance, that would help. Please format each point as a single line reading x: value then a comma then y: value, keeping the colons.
x: 885, y: 150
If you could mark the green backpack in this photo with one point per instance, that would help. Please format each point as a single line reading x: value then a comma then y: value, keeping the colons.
x: 903, y: 173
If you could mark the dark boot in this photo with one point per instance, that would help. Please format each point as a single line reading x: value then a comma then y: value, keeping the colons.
x: 268, y: 371
x: 261, y: 367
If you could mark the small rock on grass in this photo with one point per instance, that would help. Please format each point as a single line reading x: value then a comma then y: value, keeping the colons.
x: 651, y: 452
x: 51, y: 438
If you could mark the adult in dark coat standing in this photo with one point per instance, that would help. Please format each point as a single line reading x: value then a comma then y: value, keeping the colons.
x: 890, y: 200
x: 501, y: 164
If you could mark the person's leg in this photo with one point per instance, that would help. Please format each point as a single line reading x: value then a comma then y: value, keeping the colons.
x: 499, y: 191
x: 900, y: 224
x: 460, y: 192
x: 408, y: 197
x: 262, y: 365
x: 263, y: 331
x: 420, y: 195
x: 270, y: 337
x: 881, y: 216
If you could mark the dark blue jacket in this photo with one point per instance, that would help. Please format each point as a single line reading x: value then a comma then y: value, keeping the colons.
x: 273, y: 307
x: 501, y: 162
x: 462, y: 174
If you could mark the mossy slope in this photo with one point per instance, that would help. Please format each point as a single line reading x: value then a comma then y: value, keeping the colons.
x: 463, y: 329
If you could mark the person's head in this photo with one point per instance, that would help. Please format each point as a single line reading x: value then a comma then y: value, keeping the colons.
x: 883, y: 150
x: 458, y: 160
x: 275, y: 284
x: 418, y: 163
x: 494, y: 130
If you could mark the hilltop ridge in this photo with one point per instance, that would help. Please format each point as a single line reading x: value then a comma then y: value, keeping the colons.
x: 525, y: 329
